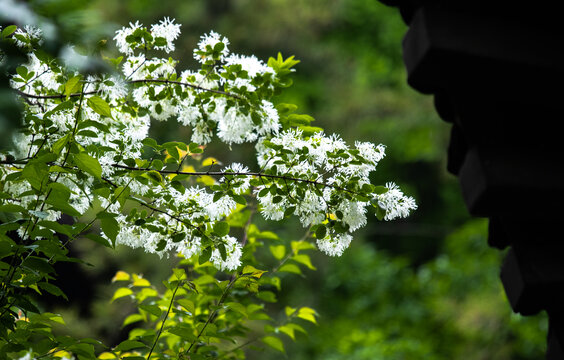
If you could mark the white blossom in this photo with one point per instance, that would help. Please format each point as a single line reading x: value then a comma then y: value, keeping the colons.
x: 335, y: 245
x: 312, y: 172
x: 251, y: 64
x: 189, y: 247
x: 239, y: 183
x: 233, y: 250
x: 121, y: 35
x: 354, y: 213
x: 396, y: 204
x: 168, y: 30
x: 211, y: 40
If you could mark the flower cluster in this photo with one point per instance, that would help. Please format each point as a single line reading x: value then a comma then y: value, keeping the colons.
x: 84, y: 146
x: 337, y: 189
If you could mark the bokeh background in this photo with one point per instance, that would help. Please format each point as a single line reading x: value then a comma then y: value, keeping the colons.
x: 426, y: 287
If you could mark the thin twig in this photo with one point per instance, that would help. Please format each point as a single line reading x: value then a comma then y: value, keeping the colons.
x: 164, y: 320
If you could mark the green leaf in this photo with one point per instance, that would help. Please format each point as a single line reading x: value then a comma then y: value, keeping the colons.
x: 290, y: 268
x: 284, y: 108
x: 84, y: 351
x: 238, y: 307
x: 321, y: 231
x: 122, y: 292
x: 380, y: 213
x: 121, y: 194
x: 22, y: 71
x: 186, y: 304
x: 290, y: 330
x: 95, y: 124
x: 151, y: 143
x: 300, y: 119
x: 52, y: 289
x: 38, y: 264
x: 267, y: 296
x: 65, y: 105
x: 88, y: 164
x: 301, y: 245
x: 100, y: 106
x: 154, y: 176
x: 195, y: 148
x: 221, y: 228
x: 310, y: 130
x: 110, y: 227
x: 59, y: 144
x: 239, y: 199
x: 160, y: 41
x: 35, y: 172
x: 304, y: 259
x: 9, y: 30
x: 99, y: 239
x: 185, y: 331
x: 129, y: 345
x: 132, y: 319
x: 179, y: 273
x: 58, y: 202
x: 274, y: 343
x: 55, y: 226
x: 278, y: 251
x: 252, y: 271
x: 72, y: 85
x: 308, y: 314
x: 205, y: 256
x: 380, y: 190
x: 151, y: 309
x: 12, y: 208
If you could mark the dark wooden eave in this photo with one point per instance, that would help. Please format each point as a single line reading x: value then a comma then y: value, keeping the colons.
x: 496, y: 72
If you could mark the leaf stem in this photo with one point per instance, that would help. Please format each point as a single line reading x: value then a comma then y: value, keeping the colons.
x: 164, y: 320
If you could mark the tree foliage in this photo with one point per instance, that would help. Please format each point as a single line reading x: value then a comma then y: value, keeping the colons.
x: 83, y: 155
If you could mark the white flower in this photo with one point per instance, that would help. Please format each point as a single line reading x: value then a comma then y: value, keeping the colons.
x: 250, y: 64
x: 354, y: 214
x: 199, y: 80
x: 311, y: 209
x: 141, y: 96
x: 162, y: 110
x: 371, y: 152
x: 233, y: 126
x: 269, y: 209
x: 121, y: 35
x: 29, y: 32
x: 201, y: 133
x: 211, y: 40
x: 233, y: 250
x: 220, y: 208
x: 168, y: 30
x: 239, y: 183
x: 189, y: 247
x: 132, y: 65
x: 136, y: 127
x: 43, y: 75
x: 396, y: 204
x: 271, y: 120
x: 335, y: 245
x: 113, y: 92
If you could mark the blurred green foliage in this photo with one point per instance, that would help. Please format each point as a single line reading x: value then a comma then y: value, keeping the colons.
x: 427, y: 287
x: 375, y: 306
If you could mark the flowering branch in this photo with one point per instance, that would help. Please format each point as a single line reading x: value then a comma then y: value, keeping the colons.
x: 138, y: 81
x: 84, y: 144
x: 234, y: 173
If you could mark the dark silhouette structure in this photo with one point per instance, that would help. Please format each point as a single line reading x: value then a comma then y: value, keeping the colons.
x: 496, y: 72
